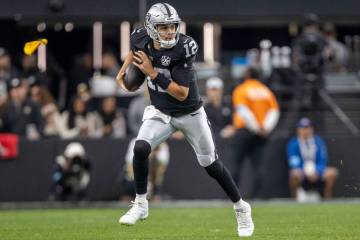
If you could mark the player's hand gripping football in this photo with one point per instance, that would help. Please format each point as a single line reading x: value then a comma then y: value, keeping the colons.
x: 142, y: 61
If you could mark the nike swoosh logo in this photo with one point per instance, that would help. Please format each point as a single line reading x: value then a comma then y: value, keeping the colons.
x: 193, y: 114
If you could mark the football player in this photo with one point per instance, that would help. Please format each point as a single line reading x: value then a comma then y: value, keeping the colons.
x: 166, y: 57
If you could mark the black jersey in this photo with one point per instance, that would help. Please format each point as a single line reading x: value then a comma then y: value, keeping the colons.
x: 176, y: 64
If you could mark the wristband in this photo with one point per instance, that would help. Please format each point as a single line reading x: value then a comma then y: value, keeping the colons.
x: 162, y: 81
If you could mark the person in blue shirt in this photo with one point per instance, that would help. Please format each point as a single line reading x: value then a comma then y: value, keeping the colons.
x: 307, y: 158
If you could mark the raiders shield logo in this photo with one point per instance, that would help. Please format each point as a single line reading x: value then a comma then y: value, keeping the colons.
x: 165, y: 61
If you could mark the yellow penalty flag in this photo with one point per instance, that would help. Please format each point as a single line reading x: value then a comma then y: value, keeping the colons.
x: 30, y: 47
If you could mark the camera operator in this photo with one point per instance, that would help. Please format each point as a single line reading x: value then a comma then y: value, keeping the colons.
x: 309, y: 54
x: 71, y: 175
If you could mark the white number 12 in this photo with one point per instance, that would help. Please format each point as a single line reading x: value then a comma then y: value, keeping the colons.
x: 190, y: 48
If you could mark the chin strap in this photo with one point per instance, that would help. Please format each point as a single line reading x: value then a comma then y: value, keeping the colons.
x: 167, y: 44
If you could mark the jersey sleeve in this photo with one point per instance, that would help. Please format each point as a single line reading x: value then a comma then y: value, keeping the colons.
x: 183, y: 72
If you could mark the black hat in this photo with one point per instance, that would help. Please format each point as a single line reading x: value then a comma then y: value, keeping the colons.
x: 13, y: 82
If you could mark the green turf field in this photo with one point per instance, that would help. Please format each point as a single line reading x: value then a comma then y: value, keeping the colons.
x: 272, y: 221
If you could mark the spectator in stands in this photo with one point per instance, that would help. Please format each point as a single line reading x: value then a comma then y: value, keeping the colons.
x: 338, y: 53
x: 307, y: 157
x: 71, y: 174
x: 7, y: 71
x: 256, y: 113
x: 31, y: 71
x: 110, y: 64
x: 21, y: 115
x: 84, y: 93
x: 29, y: 65
x: 218, y: 112
x: 40, y: 94
x: 81, y: 73
x: 113, y: 123
x: 78, y: 121
x: 57, y: 79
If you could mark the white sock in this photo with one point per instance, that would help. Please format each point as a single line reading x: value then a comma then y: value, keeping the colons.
x: 239, y: 203
x: 141, y: 197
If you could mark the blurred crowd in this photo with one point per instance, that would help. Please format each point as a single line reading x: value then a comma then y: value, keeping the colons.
x: 29, y: 108
x: 81, y: 102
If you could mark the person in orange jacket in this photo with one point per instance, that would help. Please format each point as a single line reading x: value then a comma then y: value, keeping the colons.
x: 256, y: 113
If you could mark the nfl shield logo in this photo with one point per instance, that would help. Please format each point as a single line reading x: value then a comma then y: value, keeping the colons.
x: 165, y: 61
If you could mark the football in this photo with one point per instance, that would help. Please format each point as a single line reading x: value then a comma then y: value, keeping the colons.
x: 134, y: 78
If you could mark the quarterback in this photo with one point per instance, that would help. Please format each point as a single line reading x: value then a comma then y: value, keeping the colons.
x: 166, y: 58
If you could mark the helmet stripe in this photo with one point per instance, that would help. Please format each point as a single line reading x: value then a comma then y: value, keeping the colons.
x: 167, y: 9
